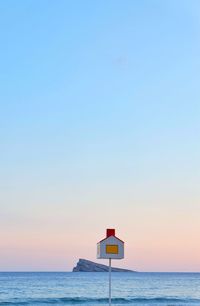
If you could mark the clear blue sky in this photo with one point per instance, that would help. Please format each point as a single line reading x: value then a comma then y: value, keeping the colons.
x: 99, y: 126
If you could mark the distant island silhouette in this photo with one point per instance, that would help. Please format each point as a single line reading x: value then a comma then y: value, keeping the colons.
x: 84, y: 265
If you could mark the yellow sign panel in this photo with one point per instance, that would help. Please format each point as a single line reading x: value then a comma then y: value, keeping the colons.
x: 112, y: 249
x: 98, y: 249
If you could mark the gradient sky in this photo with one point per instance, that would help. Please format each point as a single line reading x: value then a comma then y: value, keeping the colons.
x: 99, y: 127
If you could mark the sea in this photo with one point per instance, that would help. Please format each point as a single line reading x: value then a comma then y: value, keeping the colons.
x: 91, y: 289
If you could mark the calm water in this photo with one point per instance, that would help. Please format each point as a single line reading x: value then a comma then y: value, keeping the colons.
x: 92, y: 289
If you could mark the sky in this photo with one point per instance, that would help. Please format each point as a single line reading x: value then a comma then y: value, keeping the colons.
x: 99, y: 128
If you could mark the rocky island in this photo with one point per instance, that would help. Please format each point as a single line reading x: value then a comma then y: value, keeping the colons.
x: 85, y: 265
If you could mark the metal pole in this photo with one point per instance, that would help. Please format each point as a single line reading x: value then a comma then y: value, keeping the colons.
x: 109, y: 281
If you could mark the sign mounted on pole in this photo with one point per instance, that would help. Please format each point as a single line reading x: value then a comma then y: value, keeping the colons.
x: 110, y: 247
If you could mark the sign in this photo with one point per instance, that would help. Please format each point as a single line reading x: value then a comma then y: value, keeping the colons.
x: 111, y: 247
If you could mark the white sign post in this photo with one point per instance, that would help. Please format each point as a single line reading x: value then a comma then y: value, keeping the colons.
x: 109, y: 281
x: 110, y: 247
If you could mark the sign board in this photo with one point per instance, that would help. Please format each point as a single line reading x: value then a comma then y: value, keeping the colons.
x: 110, y: 247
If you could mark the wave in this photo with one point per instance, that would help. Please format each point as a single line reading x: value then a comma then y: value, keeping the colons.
x: 92, y: 301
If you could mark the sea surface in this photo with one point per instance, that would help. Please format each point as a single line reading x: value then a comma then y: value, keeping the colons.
x: 91, y: 289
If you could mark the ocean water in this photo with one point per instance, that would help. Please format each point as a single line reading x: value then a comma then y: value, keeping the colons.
x: 91, y: 289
